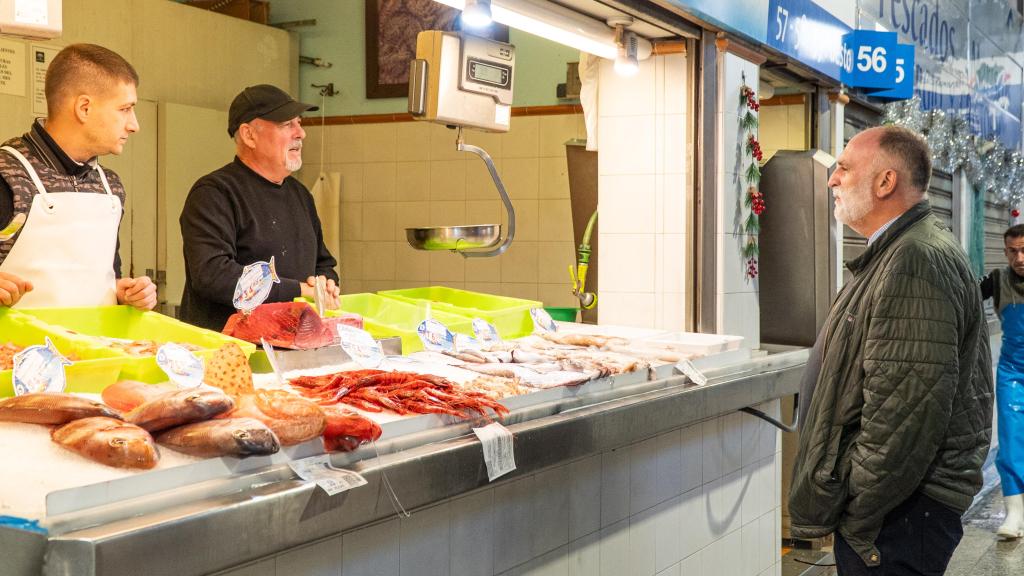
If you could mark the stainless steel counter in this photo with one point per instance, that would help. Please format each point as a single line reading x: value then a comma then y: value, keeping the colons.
x: 254, y: 514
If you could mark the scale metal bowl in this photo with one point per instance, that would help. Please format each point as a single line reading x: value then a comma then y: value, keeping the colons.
x: 454, y: 237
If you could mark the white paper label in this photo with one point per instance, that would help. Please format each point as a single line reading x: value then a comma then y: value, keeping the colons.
x: 502, y: 114
x: 499, y: 453
x: 41, y: 56
x: 32, y: 12
x: 360, y: 346
x: 691, y: 372
x: 436, y: 336
x: 319, y: 469
x: 485, y: 331
x: 182, y: 366
x: 39, y: 369
x: 12, y: 68
x: 543, y: 320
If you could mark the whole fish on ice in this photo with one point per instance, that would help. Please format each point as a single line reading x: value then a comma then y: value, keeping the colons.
x: 51, y: 408
x: 127, y: 395
x: 108, y: 441
x: 180, y: 407
x: 223, y: 437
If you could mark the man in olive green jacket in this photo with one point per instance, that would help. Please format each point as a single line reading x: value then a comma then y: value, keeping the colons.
x: 897, y: 397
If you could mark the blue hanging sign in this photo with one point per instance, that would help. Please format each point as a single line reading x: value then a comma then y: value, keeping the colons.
x: 872, y: 65
x: 903, y: 84
x: 810, y: 34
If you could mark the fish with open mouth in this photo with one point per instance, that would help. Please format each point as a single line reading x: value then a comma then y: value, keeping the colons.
x: 51, y: 408
x: 179, y: 407
x: 108, y: 441
x: 293, y: 418
x: 223, y: 437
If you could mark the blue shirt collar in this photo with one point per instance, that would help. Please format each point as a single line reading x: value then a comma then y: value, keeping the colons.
x: 882, y: 230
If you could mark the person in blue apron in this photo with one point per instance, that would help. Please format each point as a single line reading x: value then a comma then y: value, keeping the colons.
x: 59, y: 209
x: 1006, y: 288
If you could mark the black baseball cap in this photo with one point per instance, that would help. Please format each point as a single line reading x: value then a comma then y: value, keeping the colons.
x: 266, y: 102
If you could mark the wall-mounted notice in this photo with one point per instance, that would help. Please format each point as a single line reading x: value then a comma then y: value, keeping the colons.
x: 12, y: 67
x: 41, y: 57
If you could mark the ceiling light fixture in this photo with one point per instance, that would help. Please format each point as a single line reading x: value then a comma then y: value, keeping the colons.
x: 626, y: 44
x: 558, y: 24
x: 477, y: 13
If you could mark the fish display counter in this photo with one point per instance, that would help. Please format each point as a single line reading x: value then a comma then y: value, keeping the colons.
x: 147, y: 478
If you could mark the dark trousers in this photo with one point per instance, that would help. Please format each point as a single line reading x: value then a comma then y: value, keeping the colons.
x: 917, y: 538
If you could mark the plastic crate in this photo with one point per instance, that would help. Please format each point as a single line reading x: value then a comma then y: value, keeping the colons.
x: 387, y: 317
x: 510, y: 316
x: 95, y: 368
x: 128, y: 323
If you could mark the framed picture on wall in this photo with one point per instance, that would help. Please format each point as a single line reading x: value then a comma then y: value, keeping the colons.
x: 391, y: 29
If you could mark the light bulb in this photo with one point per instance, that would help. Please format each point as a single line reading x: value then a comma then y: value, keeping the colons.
x: 477, y: 13
x: 626, y: 63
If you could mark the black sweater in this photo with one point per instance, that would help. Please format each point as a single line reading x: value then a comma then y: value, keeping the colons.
x: 234, y: 217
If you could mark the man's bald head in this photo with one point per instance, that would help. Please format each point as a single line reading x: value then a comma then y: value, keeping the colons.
x: 85, y: 69
x: 907, y: 153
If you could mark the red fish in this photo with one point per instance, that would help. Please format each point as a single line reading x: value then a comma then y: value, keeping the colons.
x: 282, y: 324
x: 127, y: 395
x: 346, y: 430
x: 108, y: 441
x: 179, y: 407
x: 293, y: 418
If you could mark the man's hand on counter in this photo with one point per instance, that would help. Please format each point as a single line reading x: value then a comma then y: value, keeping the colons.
x: 12, y: 288
x: 332, y: 291
x: 138, y: 292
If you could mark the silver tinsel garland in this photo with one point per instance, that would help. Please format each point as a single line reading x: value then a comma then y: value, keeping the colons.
x: 990, y: 166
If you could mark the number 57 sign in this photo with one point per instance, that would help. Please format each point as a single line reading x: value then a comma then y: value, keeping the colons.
x: 878, y: 62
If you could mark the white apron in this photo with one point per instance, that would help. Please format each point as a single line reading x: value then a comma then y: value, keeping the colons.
x: 66, y: 247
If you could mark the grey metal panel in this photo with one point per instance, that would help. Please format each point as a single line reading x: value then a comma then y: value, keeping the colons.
x: 997, y: 220
x: 269, y: 517
x: 706, y: 254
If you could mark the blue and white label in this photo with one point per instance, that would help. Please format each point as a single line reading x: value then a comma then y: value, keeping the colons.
x: 809, y: 33
x: 872, y: 64
x: 542, y: 320
x: 436, y: 336
x: 360, y: 346
x: 466, y: 342
x: 485, y: 331
x: 902, y: 57
x: 182, y: 366
x: 39, y: 369
x: 254, y: 285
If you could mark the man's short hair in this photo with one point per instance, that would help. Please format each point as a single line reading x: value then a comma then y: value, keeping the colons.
x: 85, y: 68
x: 909, y: 148
x: 1014, y: 232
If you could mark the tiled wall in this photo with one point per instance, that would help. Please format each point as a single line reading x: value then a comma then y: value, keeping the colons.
x: 738, y: 306
x: 406, y: 174
x: 643, y: 171
x: 698, y: 501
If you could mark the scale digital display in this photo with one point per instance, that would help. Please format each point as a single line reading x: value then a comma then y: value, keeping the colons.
x: 487, y: 73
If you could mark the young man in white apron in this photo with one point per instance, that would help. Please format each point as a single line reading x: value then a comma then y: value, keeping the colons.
x: 61, y: 210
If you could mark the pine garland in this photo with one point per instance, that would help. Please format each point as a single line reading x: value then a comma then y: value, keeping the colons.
x: 753, y: 200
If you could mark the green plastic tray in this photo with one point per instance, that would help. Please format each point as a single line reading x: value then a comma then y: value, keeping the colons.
x: 131, y: 324
x: 510, y: 316
x: 95, y: 369
x: 388, y: 317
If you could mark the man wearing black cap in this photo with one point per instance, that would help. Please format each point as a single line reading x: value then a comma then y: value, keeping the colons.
x: 252, y: 210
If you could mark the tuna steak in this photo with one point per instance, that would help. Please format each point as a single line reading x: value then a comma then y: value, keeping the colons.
x: 293, y: 325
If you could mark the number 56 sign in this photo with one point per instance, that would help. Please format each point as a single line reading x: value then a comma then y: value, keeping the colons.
x: 878, y: 62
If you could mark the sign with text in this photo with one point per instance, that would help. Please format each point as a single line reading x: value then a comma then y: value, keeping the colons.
x: 808, y: 33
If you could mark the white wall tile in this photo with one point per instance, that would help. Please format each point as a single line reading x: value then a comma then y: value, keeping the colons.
x: 691, y: 455
x: 696, y: 529
x: 675, y: 84
x: 711, y: 560
x: 674, y: 153
x: 554, y: 563
x: 627, y: 204
x: 627, y: 263
x: 732, y: 561
x: 585, y: 497
x: 627, y: 308
x: 320, y: 559
x: 672, y: 316
x: 670, y: 466
x: 424, y: 543
x: 472, y: 534
x: 769, y: 548
x: 262, y: 568
x: 734, y: 265
x: 674, y: 570
x: 585, y: 555
x: 749, y: 548
x: 614, y: 486
x: 712, y: 449
x: 513, y: 519
x: 371, y: 551
x: 730, y: 514
x: 732, y: 433
x: 690, y: 566
x: 668, y: 523
x: 615, y: 559
x: 627, y: 145
x: 673, y: 264
x: 550, y: 528
x: 741, y: 317
x: 750, y: 439
x: 642, y: 536
x: 643, y: 475
x: 622, y: 96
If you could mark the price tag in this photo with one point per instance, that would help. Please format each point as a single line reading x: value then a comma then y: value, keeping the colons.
x: 499, y: 454
x: 542, y: 320
x: 39, y: 369
x: 436, y: 336
x: 181, y: 366
x: 690, y: 371
x: 253, y: 286
x: 268, y: 349
x: 485, y: 331
x: 360, y: 346
x: 332, y: 480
